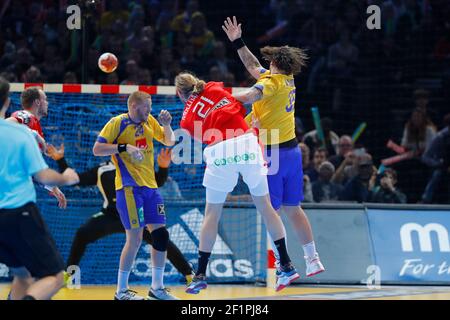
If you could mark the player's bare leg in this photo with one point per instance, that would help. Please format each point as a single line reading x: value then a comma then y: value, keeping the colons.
x: 208, y: 235
x: 272, y: 220
x: 299, y: 222
x: 129, y: 252
x: 276, y: 230
x: 21, y: 282
x: 302, y: 227
x: 46, y: 288
x: 159, y: 253
x: 210, y: 226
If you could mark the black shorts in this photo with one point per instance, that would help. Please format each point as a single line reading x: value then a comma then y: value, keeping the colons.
x: 26, y: 242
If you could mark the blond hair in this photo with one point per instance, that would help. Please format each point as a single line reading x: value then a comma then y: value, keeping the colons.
x: 137, y: 97
x: 188, y: 84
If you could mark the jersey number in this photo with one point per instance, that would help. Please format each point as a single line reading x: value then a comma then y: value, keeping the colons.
x: 291, y: 104
x: 203, y: 109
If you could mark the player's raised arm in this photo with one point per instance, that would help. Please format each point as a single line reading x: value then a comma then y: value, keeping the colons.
x: 234, y: 33
x: 249, y: 96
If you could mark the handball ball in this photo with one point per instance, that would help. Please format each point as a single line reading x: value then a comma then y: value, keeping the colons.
x: 108, y: 62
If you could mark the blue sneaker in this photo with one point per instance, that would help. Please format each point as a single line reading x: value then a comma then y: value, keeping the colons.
x: 198, y: 283
x: 287, y: 276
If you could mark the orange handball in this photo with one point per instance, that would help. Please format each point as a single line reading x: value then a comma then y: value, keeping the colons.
x: 108, y: 62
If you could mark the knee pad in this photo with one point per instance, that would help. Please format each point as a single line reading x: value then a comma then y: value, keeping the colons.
x: 160, y: 239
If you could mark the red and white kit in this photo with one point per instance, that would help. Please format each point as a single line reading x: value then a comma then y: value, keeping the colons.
x: 216, y: 118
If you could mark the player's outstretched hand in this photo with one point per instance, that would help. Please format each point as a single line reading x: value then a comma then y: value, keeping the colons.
x: 165, y: 118
x: 164, y: 158
x: 55, y: 154
x: 232, y: 28
x: 62, y: 202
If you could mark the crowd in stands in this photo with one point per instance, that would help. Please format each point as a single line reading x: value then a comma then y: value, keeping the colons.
x: 396, y: 79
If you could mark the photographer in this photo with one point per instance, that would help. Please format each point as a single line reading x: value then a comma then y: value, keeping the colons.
x: 386, y: 192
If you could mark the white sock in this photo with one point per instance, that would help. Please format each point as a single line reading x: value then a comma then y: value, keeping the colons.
x: 310, y: 249
x: 122, y: 280
x: 157, y: 278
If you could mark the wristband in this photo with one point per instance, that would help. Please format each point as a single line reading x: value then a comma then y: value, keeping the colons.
x: 238, y: 43
x: 122, y: 147
x: 62, y: 164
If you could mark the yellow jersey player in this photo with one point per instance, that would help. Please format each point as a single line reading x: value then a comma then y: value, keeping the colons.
x: 273, y: 102
x: 128, y: 138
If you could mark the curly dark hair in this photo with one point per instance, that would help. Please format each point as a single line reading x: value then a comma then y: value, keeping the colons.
x: 290, y: 60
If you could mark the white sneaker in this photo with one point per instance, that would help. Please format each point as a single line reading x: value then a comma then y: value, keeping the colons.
x: 313, y: 266
x: 287, y: 276
x: 161, y: 294
x: 128, y: 295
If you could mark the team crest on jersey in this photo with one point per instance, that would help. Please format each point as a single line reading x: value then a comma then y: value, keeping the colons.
x: 139, y: 130
x: 141, y: 143
x: 161, y: 210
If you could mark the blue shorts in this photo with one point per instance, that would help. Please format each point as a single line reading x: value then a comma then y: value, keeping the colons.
x: 285, y: 176
x: 139, y: 206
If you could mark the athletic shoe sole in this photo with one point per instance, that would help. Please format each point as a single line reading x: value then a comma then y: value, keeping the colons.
x: 196, y: 289
x: 315, y: 273
x: 282, y: 286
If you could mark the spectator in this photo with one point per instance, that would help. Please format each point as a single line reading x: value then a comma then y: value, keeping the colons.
x: 320, y: 156
x: 144, y: 77
x: 331, y: 138
x: 182, y: 22
x: 359, y: 187
x: 165, y: 35
x: 345, y: 146
x: 229, y: 80
x: 386, y: 192
x: 23, y: 62
x: 220, y: 59
x: 307, y: 187
x: 342, y: 59
x: 201, y: 37
x: 112, y: 78
x: 132, y: 70
x: 215, y: 74
x: 323, y: 189
x: 135, y: 25
x: 418, y: 132
x: 422, y: 101
x: 188, y: 61
x: 32, y: 75
x: 116, y: 12
x: 150, y: 59
x: 169, y: 67
x: 437, y: 157
x: 70, y: 77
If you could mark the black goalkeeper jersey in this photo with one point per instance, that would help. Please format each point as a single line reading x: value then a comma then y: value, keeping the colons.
x: 103, y: 176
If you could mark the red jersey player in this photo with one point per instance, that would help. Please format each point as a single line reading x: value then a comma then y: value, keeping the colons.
x: 35, y: 106
x: 213, y: 116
